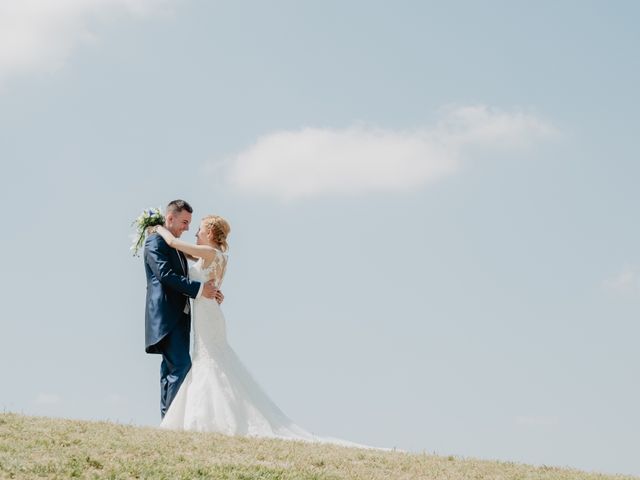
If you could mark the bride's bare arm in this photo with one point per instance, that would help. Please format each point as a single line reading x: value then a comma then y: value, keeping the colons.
x: 199, y: 251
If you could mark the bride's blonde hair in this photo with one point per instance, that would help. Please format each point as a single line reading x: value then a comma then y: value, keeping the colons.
x: 217, y: 230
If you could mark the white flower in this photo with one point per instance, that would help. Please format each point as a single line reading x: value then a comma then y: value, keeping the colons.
x: 150, y: 217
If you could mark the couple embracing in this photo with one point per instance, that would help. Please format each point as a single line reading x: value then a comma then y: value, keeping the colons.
x: 208, y: 388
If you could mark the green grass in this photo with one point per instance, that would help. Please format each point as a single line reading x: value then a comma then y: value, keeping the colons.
x: 37, y: 447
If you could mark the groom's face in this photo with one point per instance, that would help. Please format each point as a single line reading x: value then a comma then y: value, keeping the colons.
x: 177, y: 223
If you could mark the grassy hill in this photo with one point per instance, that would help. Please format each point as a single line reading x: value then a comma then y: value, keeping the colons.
x: 36, y: 447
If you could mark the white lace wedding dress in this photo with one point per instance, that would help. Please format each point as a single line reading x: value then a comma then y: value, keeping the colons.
x: 219, y: 394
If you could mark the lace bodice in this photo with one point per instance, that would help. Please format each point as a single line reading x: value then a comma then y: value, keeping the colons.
x: 209, y: 329
x: 214, y: 271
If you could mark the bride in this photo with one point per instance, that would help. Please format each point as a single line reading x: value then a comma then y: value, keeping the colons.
x: 219, y: 394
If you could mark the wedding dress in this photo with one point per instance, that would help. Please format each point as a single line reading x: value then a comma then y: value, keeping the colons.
x: 219, y: 394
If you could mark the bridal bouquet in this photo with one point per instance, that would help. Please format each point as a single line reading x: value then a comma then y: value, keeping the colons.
x: 150, y: 217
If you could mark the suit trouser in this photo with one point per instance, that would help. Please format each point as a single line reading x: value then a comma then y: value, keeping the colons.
x: 176, y: 361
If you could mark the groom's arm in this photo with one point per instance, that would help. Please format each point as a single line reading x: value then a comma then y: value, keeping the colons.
x: 156, y: 254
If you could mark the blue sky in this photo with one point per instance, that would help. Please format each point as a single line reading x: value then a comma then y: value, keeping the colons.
x: 433, y: 241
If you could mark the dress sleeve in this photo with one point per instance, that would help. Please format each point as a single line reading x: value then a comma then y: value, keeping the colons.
x: 218, y: 268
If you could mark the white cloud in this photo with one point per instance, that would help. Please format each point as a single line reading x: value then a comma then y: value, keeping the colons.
x: 360, y: 159
x: 39, y: 35
x: 626, y: 281
x: 47, y: 399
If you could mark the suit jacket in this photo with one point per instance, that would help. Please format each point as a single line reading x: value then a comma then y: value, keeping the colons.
x: 168, y: 290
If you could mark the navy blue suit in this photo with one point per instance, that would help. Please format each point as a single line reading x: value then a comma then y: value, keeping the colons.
x: 167, y: 317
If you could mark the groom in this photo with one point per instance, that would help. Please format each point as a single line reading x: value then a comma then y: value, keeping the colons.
x: 168, y: 312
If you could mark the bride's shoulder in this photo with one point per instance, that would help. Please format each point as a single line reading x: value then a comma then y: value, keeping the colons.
x: 216, y: 258
x: 215, y: 255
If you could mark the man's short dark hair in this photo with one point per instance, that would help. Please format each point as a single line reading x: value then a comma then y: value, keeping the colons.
x: 177, y: 206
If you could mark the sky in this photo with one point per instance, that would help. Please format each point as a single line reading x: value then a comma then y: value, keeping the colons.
x: 433, y: 242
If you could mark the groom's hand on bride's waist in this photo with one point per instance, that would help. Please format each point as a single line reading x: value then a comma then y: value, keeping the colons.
x: 219, y: 297
x: 209, y: 290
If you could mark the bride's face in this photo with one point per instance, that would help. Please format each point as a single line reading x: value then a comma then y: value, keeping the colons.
x: 201, y: 235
